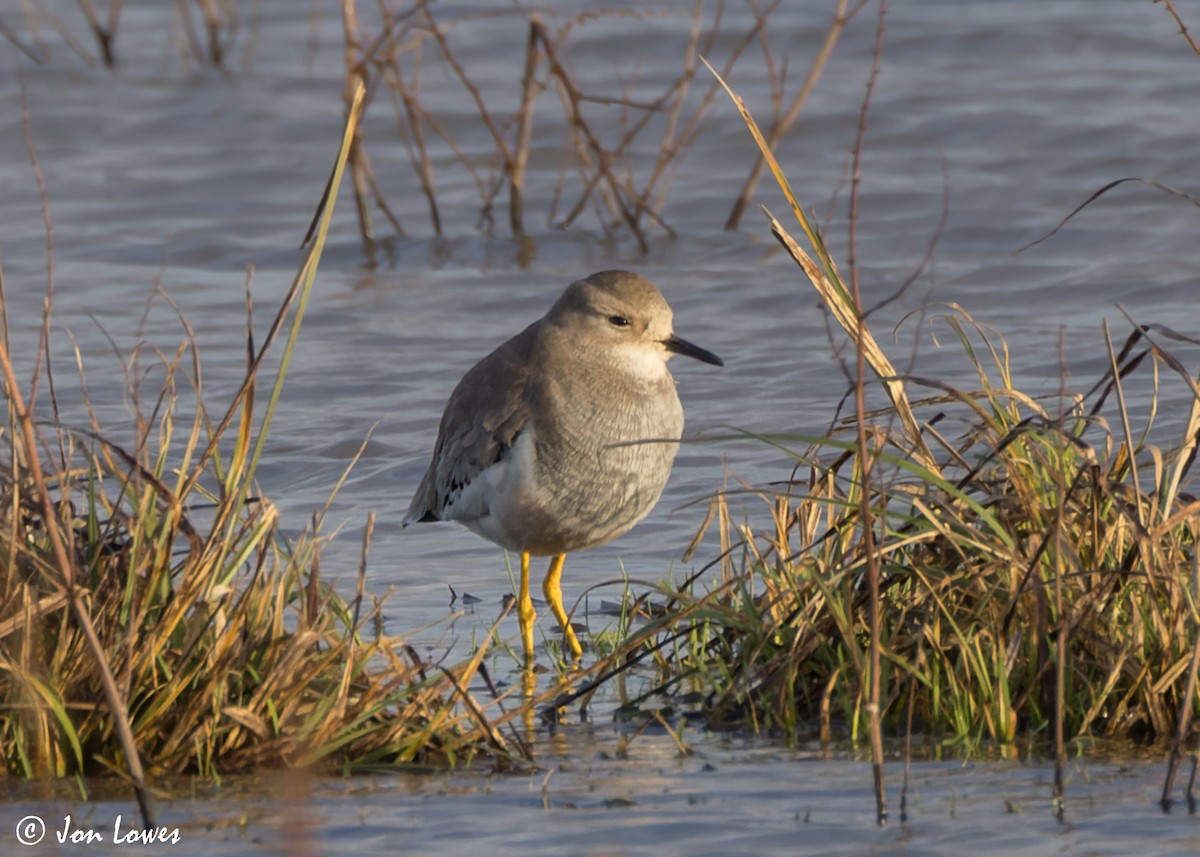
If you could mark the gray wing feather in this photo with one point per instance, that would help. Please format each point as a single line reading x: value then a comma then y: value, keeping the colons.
x: 485, y: 413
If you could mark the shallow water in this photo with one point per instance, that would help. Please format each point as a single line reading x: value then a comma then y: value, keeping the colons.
x: 723, y: 799
x: 1013, y: 112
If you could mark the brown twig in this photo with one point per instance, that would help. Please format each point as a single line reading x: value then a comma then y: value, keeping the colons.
x: 189, y: 32
x: 313, y: 584
x: 356, y: 72
x: 669, y: 148
x: 530, y: 88
x: 488, y: 122
x: 580, y: 125
x: 214, y: 22
x: 36, y: 54
x: 1183, y: 30
x: 781, y: 125
x: 104, y: 33
x: 1062, y: 628
x: 866, y: 456
x: 507, y: 159
x: 418, y: 152
x: 608, y: 184
x: 673, y: 144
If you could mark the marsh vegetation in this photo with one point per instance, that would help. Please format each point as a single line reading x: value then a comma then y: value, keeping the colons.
x: 976, y: 565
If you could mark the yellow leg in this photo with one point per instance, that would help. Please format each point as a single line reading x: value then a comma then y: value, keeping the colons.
x: 525, y: 612
x: 552, y: 589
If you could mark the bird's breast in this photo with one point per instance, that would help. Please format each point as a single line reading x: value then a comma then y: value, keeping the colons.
x: 600, y: 464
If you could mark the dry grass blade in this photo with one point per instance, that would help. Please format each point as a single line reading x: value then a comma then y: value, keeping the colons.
x: 834, y: 296
x: 1101, y: 192
x: 828, y: 283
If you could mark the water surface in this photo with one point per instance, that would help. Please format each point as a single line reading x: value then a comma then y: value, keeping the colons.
x: 1001, y: 117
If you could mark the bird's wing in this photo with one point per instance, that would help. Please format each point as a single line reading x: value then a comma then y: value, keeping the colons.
x: 485, y: 413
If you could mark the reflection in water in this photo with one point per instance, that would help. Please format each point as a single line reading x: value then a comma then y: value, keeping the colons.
x: 529, y: 683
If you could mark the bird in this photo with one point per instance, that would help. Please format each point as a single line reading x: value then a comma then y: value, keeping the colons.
x: 563, y: 437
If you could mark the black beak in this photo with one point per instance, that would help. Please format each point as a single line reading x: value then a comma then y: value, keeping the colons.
x: 681, y: 346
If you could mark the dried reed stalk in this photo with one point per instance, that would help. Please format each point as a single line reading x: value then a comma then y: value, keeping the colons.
x: 105, y: 34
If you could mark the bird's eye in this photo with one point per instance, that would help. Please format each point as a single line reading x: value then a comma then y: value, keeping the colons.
x: 618, y: 321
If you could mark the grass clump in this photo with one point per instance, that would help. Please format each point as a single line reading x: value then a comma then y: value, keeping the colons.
x: 228, y: 650
x: 1035, y: 557
x: 154, y: 620
x: 1042, y: 539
